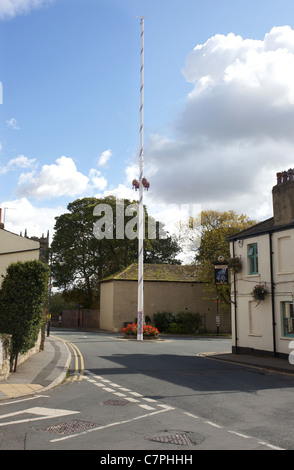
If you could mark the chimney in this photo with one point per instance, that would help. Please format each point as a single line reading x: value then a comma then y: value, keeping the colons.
x: 283, y: 198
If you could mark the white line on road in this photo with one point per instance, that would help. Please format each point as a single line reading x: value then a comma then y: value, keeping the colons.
x: 43, y: 413
x: 240, y: 434
x: 99, y: 428
x: 23, y: 399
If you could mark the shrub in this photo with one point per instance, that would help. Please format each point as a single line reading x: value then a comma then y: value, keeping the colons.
x: 22, y: 297
x: 163, y: 320
x: 183, y: 322
x: 186, y: 322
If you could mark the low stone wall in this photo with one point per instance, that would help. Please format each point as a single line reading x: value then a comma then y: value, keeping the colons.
x: 5, y: 341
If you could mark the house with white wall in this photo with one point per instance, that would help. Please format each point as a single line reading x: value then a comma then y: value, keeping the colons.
x: 266, y: 252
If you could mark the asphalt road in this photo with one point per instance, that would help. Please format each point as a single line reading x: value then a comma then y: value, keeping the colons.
x: 157, y: 397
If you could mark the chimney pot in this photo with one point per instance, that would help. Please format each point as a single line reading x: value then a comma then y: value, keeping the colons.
x: 290, y: 174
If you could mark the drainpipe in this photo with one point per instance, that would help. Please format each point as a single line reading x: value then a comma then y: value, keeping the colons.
x: 272, y: 293
x: 235, y: 306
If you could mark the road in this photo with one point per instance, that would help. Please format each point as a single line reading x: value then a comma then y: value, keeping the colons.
x: 159, y: 397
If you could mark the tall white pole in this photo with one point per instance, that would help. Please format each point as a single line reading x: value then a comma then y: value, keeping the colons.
x: 141, y: 208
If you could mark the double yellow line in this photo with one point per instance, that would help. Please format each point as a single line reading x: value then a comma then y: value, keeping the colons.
x: 78, y: 358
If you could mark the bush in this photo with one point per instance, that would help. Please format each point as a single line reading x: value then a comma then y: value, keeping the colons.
x: 183, y: 322
x: 22, y: 297
x: 163, y: 320
x: 187, y: 322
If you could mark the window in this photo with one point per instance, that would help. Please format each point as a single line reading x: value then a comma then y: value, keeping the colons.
x: 288, y: 318
x: 252, y: 254
x: 285, y: 255
x: 254, y: 319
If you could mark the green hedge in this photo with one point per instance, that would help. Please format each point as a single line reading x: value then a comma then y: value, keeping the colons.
x: 183, y: 322
x: 22, y: 297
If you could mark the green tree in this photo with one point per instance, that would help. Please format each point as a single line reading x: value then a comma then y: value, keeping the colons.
x: 215, y: 227
x: 87, y: 259
x: 22, y: 297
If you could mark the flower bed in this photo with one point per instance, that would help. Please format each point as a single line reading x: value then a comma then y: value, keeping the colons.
x: 149, y: 332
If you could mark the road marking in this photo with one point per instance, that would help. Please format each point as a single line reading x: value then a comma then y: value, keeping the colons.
x: 119, y: 394
x: 23, y: 399
x: 192, y: 416
x: 270, y: 446
x: 117, y: 391
x: 147, y: 407
x: 108, y: 389
x: 42, y: 413
x: 133, y: 400
x: 239, y: 434
x: 79, y: 372
x: 118, y: 423
x: 244, y: 436
x: 213, y: 424
x: 136, y: 394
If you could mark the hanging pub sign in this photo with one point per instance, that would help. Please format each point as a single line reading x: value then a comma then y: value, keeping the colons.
x: 221, y: 271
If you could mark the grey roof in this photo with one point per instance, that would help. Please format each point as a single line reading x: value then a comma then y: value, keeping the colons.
x: 259, y: 229
x: 156, y: 272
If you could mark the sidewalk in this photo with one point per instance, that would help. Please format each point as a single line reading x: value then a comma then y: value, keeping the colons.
x: 274, y: 364
x: 41, y: 372
x: 48, y: 368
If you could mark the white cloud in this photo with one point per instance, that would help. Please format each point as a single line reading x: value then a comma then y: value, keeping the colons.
x: 18, y: 162
x: 11, y: 8
x: 97, y: 181
x: 12, y: 123
x: 235, y: 128
x: 21, y: 161
x: 20, y: 215
x: 59, y: 179
x: 104, y: 157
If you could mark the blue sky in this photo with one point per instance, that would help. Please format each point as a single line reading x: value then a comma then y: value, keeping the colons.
x: 218, y: 104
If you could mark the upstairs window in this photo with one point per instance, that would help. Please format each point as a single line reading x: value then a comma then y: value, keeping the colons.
x: 252, y: 254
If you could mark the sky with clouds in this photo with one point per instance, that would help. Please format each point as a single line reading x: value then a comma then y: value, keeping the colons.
x: 218, y: 105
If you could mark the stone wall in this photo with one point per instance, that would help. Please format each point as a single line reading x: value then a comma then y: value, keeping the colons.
x: 5, y: 341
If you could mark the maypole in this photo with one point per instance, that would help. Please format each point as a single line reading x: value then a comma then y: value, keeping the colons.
x: 141, y: 208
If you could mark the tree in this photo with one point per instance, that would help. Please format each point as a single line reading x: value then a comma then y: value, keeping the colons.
x: 22, y: 297
x: 213, y: 232
x: 88, y: 256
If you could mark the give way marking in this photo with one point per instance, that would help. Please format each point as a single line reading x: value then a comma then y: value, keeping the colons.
x: 39, y: 412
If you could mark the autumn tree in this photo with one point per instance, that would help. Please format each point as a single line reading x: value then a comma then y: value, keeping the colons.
x: 213, y: 232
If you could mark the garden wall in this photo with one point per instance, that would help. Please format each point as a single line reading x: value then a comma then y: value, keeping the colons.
x: 5, y: 341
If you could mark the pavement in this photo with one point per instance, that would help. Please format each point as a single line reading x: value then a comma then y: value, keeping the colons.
x: 41, y: 372
x: 47, y: 369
